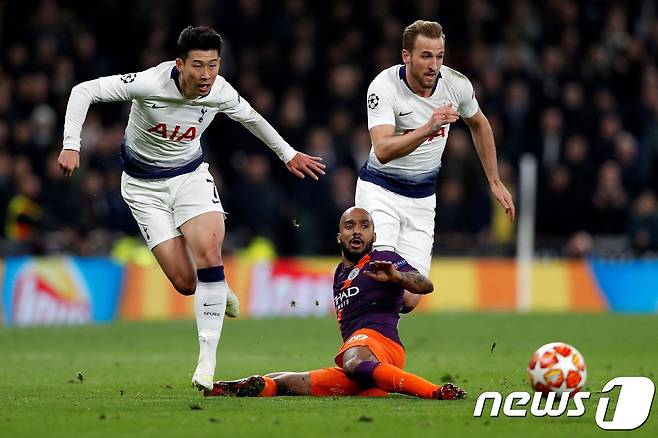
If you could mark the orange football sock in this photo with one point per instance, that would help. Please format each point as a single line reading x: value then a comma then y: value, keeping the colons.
x: 270, y: 388
x: 328, y: 382
x: 390, y: 378
x: 372, y: 392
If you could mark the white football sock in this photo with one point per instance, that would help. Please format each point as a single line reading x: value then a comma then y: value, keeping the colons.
x: 209, y: 304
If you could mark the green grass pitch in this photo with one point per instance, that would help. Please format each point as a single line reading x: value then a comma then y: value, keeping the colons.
x: 134, y: 377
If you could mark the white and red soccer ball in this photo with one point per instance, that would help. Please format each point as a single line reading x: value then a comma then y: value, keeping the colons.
x: 557, y: 367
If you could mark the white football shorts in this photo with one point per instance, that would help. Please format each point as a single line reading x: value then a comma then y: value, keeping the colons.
x: 403, y: 224
x: 160, y: 206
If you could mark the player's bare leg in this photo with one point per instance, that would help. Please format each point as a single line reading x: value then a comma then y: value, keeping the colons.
x: 292, y: 383
x: 277, y: 374
x: 176, y: 261
x: 282, y: 383
x: 361, y: 364
x: 205, y: 254
x: 353, y: 357
x: 204, y: 236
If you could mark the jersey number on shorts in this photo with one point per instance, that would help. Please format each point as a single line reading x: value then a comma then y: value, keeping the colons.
x: 215, y: 195
x: 146, y: 232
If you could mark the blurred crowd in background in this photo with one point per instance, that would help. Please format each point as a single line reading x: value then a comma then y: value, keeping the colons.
x: 574, y: 83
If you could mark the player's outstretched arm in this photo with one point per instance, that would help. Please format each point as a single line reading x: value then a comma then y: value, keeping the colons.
x: 240, y: 110
x: 106, y: 89
x: 486, y: 148
x: 389, y: 146
x: 412, y: 281
x: 302, y: 164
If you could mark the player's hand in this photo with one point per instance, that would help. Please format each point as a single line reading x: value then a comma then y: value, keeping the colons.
x: 409, y: 301
x: 504, y: 198
x: 381, y: 271
x: 68, y: 160
x: 305, y: 164
x: 442, y: 116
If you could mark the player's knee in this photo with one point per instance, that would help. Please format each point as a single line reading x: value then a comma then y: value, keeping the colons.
x: 209, y: 257
x: 282, y: 381
x: 349, y: 366
x: 293, y: 383
x: 184, y: 284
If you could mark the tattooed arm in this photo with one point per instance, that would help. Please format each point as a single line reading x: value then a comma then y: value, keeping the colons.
x: 412, y: 281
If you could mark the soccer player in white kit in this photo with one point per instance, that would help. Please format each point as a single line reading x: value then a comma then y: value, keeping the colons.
x: 166, y: 182
x: 410, y: 108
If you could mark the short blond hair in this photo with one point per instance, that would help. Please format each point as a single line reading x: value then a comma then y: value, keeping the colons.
x: 430, y: 29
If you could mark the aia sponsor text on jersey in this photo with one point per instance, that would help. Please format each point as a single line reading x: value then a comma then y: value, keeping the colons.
x: 175, y: 135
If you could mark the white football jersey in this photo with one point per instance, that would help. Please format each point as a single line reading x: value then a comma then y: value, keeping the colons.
x: 162, y: 138
x: 390, y: 101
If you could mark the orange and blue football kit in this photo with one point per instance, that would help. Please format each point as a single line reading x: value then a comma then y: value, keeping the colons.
x: 368, y: 312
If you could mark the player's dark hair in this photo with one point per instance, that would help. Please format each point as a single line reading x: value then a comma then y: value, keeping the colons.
x: 198, y: 38
x: 430, y: 29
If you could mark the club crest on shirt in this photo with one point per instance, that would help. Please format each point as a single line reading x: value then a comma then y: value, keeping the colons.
x: 203, y: 113
x: 445, y: 102
x: 352, y: 275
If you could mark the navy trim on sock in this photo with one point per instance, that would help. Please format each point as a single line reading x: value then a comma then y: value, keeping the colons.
x: 211, y: 275
x: 363, y: 373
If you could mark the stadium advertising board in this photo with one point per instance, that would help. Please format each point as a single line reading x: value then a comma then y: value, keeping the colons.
x: 49, y: 291
x: 75, y: 290
x: 629, y: 286
x: 291, y: 287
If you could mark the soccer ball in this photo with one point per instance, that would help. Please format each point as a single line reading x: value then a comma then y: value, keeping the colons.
x: 557, y: 367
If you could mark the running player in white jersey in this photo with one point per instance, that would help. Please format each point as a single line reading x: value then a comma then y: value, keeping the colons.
x: 410, y: 108
x: 166, y: 182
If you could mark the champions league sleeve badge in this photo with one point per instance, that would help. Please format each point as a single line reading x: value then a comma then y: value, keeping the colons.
x: 128, y: 78
x: 373, y: 101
